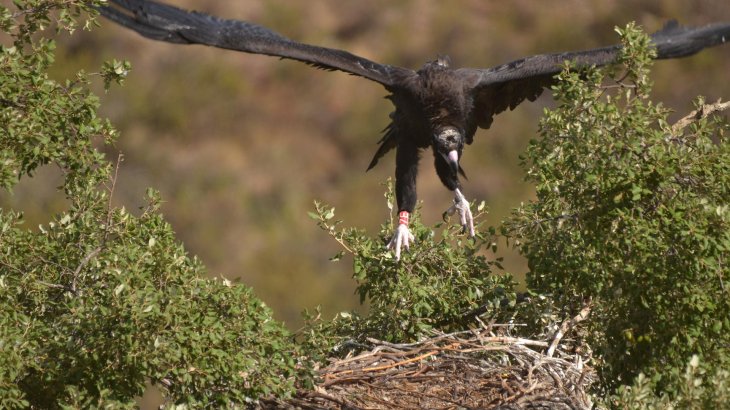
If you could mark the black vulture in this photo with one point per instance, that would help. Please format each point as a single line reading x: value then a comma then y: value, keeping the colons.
x: 436, y: 106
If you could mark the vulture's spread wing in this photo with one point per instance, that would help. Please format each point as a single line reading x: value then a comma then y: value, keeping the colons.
x: 506, y: 86
x: 167, y: 23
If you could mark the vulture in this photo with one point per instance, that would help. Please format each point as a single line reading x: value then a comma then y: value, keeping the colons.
x: 436, y: 106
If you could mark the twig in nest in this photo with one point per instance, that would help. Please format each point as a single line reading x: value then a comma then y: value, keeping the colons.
x: 464, y: 369
x: 567, y: 325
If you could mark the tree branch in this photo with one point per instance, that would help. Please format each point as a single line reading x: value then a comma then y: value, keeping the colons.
x: 703, y: 112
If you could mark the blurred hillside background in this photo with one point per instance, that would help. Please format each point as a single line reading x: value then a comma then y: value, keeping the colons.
x: 240, y: 145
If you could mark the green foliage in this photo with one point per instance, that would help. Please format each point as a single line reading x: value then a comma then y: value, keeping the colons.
x: 99, y: 301
x: 696, y: 390
x: 32, y: 16
x: 43, y: 121
x: 443, y: 282
x: 106, y: 301
x: 634, y: 216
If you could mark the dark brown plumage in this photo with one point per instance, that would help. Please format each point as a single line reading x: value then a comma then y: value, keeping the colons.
x: 436, y: 106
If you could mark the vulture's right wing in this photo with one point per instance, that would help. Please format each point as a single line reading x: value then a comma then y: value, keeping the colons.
x: 168, y: 23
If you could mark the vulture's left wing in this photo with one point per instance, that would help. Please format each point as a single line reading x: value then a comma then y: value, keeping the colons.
x: 506, y: 86
x: 168, y: 23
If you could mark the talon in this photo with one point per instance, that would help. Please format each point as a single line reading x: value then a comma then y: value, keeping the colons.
x: 452, y: 210
x: 461, y: 205
x: 402, y: 237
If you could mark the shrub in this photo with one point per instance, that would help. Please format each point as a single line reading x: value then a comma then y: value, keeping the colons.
x: 632, y: 215
x: 444, y: 282
x: 99, y: 301
x: 695, y: 389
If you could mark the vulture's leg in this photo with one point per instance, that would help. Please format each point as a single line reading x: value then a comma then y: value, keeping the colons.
x: 406, y: 170
x: 450, y: 179
x: 461, y: 205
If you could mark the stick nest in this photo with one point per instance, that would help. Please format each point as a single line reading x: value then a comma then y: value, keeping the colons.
x: 465, y: 370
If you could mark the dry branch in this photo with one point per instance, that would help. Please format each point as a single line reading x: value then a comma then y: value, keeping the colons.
x: 566, y: 326
x: 704, y: 111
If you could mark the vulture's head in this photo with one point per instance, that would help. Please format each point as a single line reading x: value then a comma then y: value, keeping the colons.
x: 448, y: 142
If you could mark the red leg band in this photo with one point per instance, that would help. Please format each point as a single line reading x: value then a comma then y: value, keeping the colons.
x: 403, y: 218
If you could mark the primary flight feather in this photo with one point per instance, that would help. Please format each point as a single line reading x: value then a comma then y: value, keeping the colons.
x: 436, y: 106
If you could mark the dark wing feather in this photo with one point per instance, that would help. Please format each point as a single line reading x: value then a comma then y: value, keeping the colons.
x: 506, y: 86
x: 171, y: 24
x: 390, y: 140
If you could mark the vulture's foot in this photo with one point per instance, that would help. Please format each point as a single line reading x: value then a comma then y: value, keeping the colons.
x: 403, y: 236
x: 461, y: 205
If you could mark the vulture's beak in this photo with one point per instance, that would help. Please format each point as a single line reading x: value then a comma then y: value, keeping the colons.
x: 452, y: 158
